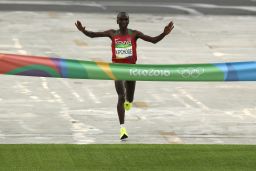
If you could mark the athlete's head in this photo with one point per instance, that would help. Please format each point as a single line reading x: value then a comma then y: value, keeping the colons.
x: 123, y: 19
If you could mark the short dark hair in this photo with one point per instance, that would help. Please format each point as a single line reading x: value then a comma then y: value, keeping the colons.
x: 120, y: 14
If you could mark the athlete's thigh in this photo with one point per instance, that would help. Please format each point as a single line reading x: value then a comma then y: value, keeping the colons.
x: 119, y: 85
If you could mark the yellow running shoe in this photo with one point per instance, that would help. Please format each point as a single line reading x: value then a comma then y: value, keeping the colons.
x: 127, y: 105
x: 123, y: 134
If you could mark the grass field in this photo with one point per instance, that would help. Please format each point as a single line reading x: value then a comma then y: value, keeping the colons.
x: 128, y: 157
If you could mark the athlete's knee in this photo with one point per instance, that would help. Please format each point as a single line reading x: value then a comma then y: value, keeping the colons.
x: 121, y: 98
x: 130, y: 96
x: 130, y: 99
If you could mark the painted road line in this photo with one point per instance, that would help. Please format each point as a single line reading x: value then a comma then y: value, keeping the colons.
x: 17, y: 44
x: 248, y: 113
x: 26, y: 126
x: 234, y: 114
x: 190, y: 97
x: 22, y: 87
x: 79, y: 130
x: 6, y: 46
x: 34, y: 98
x: 2, y: 136
x: 61, y: 3
x: 92, y: 95
x: 179, y: 99
x: 73, y: 92
x: 201, y: 5
x: 186, y: 9
x: 22, y: 52
x: 44, y: 83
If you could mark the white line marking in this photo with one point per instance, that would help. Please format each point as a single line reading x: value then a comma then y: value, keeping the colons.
x: 44, y: 83
x: 30, y: 101
x: 181, y: 101
x: 253, y: 9
x: 181, y: 6
x: 202, y: 5
x: 2, y: 136
x: 103, y: 5
x: 17, y: 44
x: 8, y: 51
x: 247, y: 8
x: 175, y: 140
x: 248, y: 113
x: 6, y: 46
x: 22, y: 52
x: 94, y: 98
x: 34, y: 97
x: 57, y: 97
x: 23, y: 88
x: 25, y: 126
x: 218, y: 54
x: 79, y: 129
x: 190, y: 97
x: 63, y: 3
x: 73, y: 92
x: 232, y: 113
x: 188, y: 10
x: 78, y: 97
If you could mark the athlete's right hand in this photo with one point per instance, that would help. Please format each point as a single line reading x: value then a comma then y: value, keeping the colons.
x: 168, y: 28
x: 79, y: 26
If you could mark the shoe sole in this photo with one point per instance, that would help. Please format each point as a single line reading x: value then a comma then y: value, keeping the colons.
x: 124, y: 137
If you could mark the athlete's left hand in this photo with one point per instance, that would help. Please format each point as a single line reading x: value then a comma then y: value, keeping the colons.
x: 168, y: 28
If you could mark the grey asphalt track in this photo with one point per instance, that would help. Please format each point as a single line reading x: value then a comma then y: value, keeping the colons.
x: 48, y: 110
x: 183, y: 7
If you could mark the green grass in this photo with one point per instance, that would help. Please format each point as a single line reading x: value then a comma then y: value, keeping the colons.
x: 128, y: 157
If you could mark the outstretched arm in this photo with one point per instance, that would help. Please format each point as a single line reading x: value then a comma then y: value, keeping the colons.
x: 92, y: 34
x: 156, y: 39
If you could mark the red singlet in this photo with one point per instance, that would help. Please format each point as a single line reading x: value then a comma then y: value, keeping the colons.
x: 124, y: 48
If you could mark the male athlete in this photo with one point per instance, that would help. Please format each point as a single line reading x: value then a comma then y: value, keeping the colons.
x: 124, y: 51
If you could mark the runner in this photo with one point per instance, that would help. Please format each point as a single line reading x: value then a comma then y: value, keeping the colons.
x: 124, y: 51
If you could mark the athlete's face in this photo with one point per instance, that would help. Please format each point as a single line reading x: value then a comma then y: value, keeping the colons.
x: 123, y: 21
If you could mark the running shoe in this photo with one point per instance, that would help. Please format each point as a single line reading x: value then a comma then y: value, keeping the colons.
x: 127, y: 105
x: 123, y: 134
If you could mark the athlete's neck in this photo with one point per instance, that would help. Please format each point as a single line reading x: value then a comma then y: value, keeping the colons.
x: 123, y: 31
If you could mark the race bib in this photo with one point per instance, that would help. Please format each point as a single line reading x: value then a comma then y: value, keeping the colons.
x: 123, y: 49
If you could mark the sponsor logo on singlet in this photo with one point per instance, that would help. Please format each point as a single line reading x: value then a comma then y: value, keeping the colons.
x: 123, y: 48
